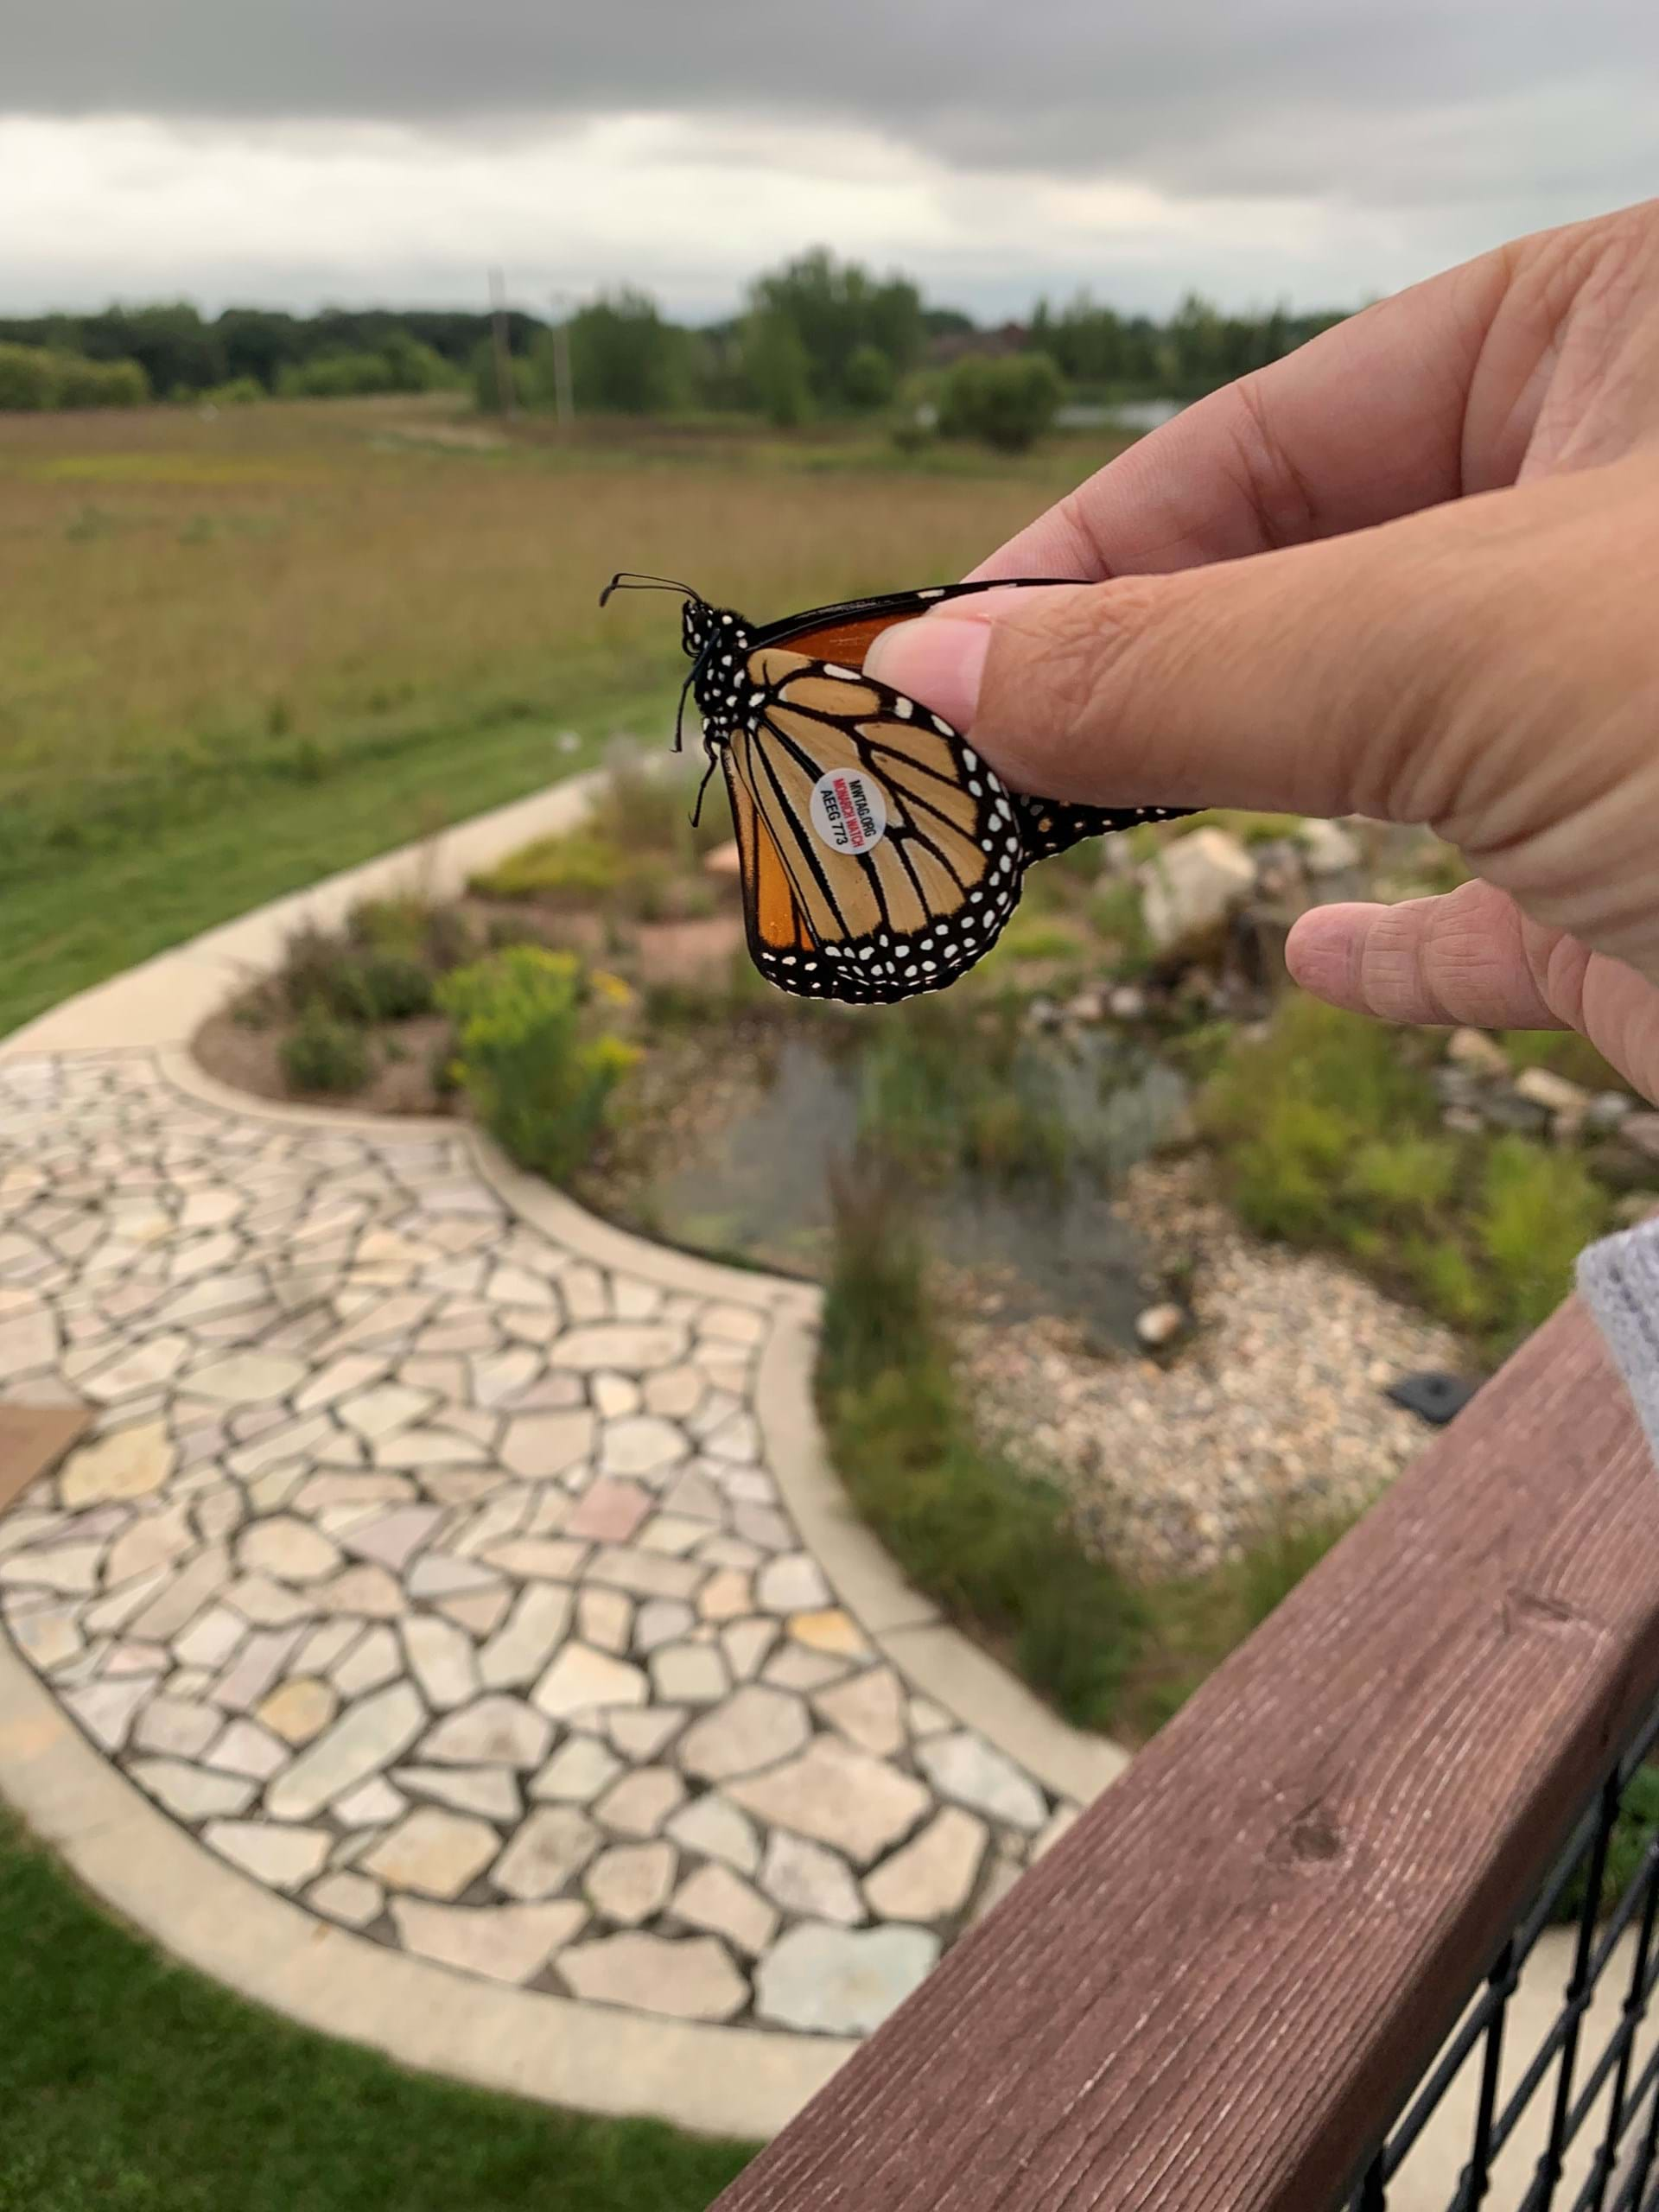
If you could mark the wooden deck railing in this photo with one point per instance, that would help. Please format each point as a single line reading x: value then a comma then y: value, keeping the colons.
x: 1217, y: 1991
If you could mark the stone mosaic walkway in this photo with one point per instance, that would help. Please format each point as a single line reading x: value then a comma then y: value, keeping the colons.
x: 434, y: 1575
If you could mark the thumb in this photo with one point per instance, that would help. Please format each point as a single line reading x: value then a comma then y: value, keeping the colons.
x: 1330, y: 678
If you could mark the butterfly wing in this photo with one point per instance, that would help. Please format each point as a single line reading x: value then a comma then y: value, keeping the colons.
x: 844, y: 634
x: 1049, y: 827
x: 880, y: 858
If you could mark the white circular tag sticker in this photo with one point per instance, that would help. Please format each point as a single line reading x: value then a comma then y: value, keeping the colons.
x: 850, y: 810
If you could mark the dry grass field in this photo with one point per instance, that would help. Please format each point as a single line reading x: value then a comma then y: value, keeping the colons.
x: 238, y: 650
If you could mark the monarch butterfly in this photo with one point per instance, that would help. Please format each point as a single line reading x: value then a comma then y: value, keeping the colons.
x: 879, y: 855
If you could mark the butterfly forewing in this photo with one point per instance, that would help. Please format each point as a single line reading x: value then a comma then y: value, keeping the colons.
x: 879, y: 855
x: 845, y: 634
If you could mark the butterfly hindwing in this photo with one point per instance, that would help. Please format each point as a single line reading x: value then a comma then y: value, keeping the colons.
x: 1051, y: 827
x: 879, y: 856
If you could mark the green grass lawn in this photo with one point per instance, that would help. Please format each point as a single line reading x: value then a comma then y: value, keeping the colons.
x: 167, y: 866
x: 237, y: 654
x: 129, y: 2084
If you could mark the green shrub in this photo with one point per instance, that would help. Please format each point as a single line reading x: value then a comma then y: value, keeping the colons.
x: 578, y: 866
x: 1536, y: 1212
x: 538, y: 1076
x: 1116, y: 911
x: 1007, y: 404
x: 239, y: 392
x: 311, y: 963
x: 1329, y: 1132
x: 323, y: 1054
x: 438, y: 936
x: 868, y: 378
x: 970, y: 1527
x: 34, y: 378
x: 403, y: 364
x: 354, y: 980
x: 393, y: 986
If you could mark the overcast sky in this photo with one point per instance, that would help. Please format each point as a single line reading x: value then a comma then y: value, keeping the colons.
x: 386, y: 152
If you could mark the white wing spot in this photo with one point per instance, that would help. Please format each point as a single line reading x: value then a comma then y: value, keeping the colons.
x: 903, y: 708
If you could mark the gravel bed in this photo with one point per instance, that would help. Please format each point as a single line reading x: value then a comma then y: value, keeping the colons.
x: 1272, y: 1408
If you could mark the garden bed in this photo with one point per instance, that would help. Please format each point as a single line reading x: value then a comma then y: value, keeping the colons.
x: 1122, y: 1108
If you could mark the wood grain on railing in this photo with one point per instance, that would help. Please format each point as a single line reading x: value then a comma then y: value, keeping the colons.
x: 1214, y: 1992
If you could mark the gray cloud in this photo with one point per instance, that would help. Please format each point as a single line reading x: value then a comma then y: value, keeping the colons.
x: 1384, y: 102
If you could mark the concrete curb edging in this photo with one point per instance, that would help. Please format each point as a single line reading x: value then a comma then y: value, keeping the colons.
x: 744, y: 2079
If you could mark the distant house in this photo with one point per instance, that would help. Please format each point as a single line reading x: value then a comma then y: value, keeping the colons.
x: 987, y: 345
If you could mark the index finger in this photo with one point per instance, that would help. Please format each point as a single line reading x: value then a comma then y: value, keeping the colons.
x: 1364, y: 424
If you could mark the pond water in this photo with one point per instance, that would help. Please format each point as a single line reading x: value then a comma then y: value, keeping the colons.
x: 758, y: 1185
x: 1119, y: 415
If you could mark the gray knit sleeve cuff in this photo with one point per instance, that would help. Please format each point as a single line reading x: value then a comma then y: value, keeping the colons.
x: 1619, y: 1279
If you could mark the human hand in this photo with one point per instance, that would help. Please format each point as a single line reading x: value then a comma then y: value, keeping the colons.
x: 1412, y: 571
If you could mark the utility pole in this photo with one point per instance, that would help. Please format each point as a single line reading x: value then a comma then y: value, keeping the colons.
x: 500, y: 339
x: 564, y: 397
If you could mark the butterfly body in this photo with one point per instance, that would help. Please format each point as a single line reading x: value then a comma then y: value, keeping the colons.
x: 879, y: 854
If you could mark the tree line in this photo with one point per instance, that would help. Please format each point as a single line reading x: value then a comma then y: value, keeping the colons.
x: 817, y: 338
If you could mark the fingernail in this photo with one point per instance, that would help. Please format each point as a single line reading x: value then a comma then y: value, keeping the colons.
x: 938, y: 661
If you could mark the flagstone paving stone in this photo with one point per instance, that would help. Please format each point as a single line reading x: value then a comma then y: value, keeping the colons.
x: 436, y: 1578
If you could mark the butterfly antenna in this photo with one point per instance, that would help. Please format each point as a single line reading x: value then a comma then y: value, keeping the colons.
x: 631, y: 580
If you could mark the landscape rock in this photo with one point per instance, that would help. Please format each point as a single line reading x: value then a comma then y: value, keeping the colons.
x: 630, y: 1882
x: 967, y: 1769
x: 1191, y: 888
x: 1553, y: 1092
x: 932, y: 1877
x: 1328, y: 848
x: 842, y: 1982
x: 367, y: 1737
x: 506, y: 1942
x: 843, y: 1798
x: 556, y: 1842
x: 1156, y: 1326
x: 810, y: 1879
x: 1481, y: 1054
x: 691, y: 1979
x: 434, y: 1852
x: 755, y: 1727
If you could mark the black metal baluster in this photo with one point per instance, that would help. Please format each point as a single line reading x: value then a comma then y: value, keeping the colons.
x: 1633, y: 2192
x: 1476, y: 2175
x: 1548, y: 2177
x: 1635, y: 2006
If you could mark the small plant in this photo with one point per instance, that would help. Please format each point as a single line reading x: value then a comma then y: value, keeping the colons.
x: 1634, y: 1830
x: 393, y: 986
x: 1194, y: 1621
x: 1330, y: 1134
x: 529, y: 1057
x: 969, y: 1525
x: 323, y: 1054
x: 354, y: 980
x: 433, y: 934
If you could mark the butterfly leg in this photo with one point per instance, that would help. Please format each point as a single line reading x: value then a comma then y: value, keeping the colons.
x: 713, y: 757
